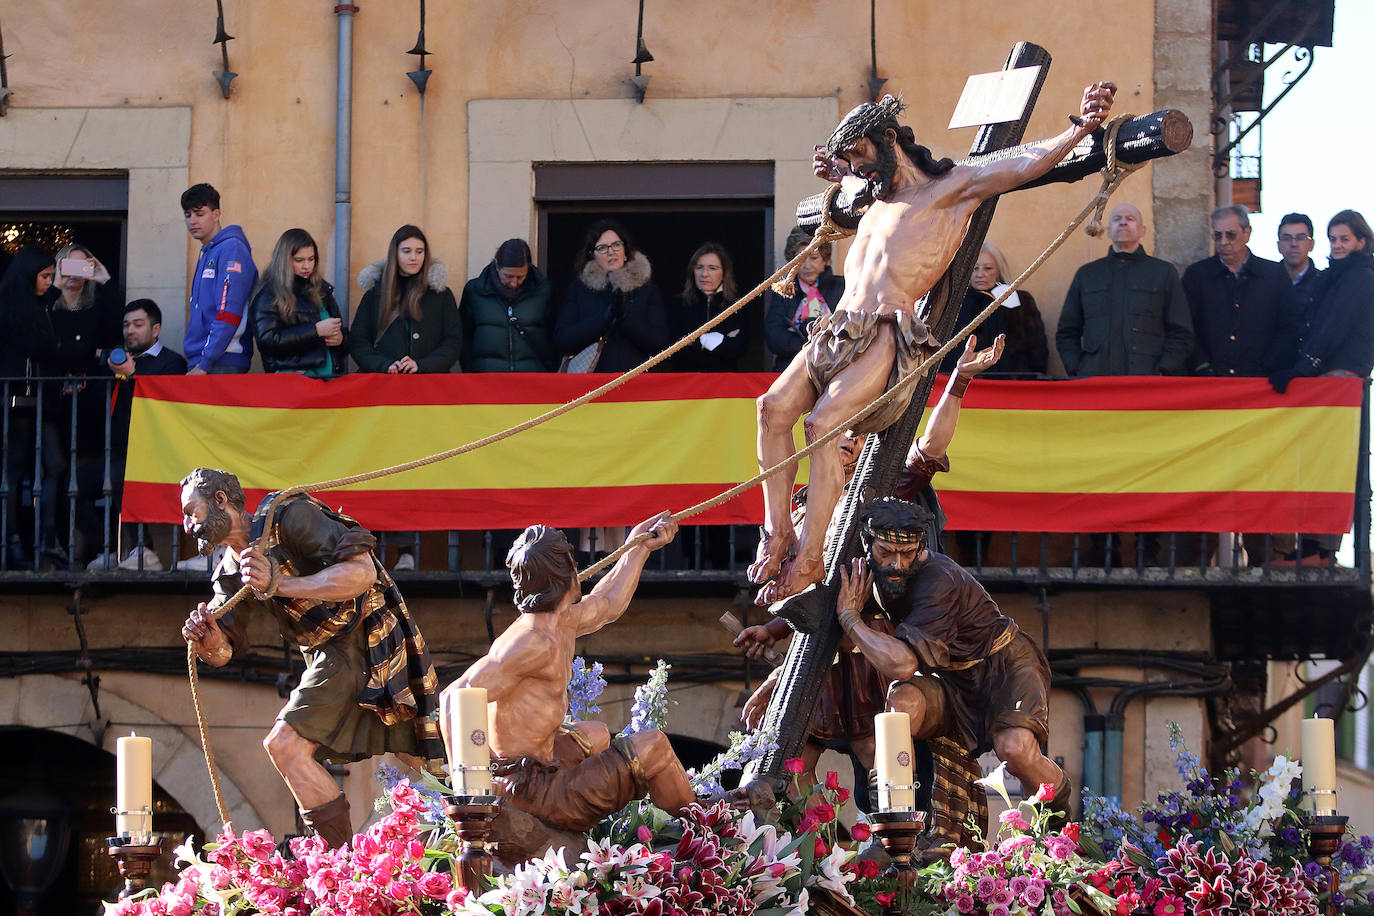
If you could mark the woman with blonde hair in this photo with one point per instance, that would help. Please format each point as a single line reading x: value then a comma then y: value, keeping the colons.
x: 295, y: 318
x: 1027, y: 349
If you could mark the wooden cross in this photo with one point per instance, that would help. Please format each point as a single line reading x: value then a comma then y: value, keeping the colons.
x: 812, y: 613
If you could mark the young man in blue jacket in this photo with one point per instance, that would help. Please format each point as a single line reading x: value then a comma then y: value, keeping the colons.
x: 218, y: 339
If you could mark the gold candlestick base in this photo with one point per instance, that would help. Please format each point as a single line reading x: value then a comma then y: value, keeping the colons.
x: 473, y: 816
x: 135, y: 859
x: 898, y: 831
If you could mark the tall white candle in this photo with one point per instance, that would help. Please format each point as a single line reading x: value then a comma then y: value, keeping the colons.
x: 133, y: 785
x: 467, y: 739
x: 1319, y: 764
x: 893, y: 757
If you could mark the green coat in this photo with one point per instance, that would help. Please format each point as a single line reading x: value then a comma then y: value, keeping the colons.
x: 434, y: 342
x: 1125, y: 314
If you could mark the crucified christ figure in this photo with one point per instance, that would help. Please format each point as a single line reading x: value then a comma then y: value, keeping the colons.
x: 905, y: 241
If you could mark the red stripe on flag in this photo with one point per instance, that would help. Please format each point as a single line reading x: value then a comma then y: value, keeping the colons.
x: 1157, y: 393
x: 471, y: 510
x: 1310, y: 513
x: 429, y: 510
x: 290, y: 390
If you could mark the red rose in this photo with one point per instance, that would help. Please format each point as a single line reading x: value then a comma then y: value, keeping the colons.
x: 832, y: 780
x: 1071, y: 831
x: 868, y: 868
x: 793, y: 765
x: 821, y: 849
x: 885, y: 899
x: 823, y: 814
x: 862, y: 832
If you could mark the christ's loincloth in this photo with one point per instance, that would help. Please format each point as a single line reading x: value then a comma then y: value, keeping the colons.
x: 578, y: 790
x: 838, y: 339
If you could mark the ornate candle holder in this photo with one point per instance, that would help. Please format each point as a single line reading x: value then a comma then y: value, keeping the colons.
x: 898, y: 830
x: 472, y: 815
x: 135, y: 855
x: 1324, y: 840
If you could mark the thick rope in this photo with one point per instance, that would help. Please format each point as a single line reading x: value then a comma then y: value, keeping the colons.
x: 825, y: 233
x: 1112, y: 175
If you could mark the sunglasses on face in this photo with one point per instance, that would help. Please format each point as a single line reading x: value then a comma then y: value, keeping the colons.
x: 1230, y: 235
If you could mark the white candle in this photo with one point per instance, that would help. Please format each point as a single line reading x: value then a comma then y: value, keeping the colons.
x: 133, y: 785
x: 1319, y: 764
x: 467, y: 739
x: 894, y: 761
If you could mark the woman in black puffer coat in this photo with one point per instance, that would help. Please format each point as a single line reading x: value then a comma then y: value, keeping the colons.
x: 507, y: 315
x: 612, y: 298
x: 295, y: 318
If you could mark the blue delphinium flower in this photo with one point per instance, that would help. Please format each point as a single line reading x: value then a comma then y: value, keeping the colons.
x: 584, y: 686
x: 744, y: 749
x: 650, y: 709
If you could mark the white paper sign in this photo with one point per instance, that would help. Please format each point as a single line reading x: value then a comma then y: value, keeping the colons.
x: 992, y: 98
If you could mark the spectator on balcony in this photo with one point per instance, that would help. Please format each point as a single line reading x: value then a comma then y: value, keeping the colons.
x: 1027, y: 351
x: 26, y: 339
x: 295, y: 317
x: 1246, y: 318
x: 407, y: 321
x: 612, y: 305
x: 86, y: 324
x: 788, y: 319
x: 219, y: 332
x: 707, y: 290
x: 1340, y: 334
x: 1296, y: 240
x: 507, y: 315
x: 1125, y: 314
x: 143, y: 355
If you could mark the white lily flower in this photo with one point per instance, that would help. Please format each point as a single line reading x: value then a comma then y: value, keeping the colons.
x: 997, y: 780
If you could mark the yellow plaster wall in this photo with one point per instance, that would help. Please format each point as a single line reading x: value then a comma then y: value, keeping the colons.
x: 269, y: 149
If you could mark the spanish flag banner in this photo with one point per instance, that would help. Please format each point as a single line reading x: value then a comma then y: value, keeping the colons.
x: 1110, y: 454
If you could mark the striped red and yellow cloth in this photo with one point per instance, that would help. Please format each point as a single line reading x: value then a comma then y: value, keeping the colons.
x: 1111, y: 454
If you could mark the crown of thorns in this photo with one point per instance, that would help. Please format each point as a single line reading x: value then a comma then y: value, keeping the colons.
x: 861, y: 120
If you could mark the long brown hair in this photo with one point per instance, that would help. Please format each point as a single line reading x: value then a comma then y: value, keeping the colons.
x: 391, y: 304
x: 280, y: 276
x: 727, y: 273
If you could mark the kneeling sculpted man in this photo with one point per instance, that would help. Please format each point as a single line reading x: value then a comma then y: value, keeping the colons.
x: 567, y: 776
x: 368, y: 687
x: 905, y: 241
x: 960, y: 668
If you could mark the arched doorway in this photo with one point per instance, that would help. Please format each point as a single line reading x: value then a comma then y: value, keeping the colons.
x: 76, y: 781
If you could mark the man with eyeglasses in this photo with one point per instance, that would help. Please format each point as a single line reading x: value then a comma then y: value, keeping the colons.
x: 1296, y: 239
x: 1245, y: 314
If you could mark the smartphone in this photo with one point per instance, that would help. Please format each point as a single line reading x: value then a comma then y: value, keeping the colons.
x: 77, y: 267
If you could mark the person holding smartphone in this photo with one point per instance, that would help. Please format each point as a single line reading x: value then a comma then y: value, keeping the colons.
x: 295, y: 317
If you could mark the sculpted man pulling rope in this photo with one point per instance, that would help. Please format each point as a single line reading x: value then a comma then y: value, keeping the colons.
x: 906, y: 239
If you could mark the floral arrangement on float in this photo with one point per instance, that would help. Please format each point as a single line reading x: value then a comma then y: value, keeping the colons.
x: 1220, y: 846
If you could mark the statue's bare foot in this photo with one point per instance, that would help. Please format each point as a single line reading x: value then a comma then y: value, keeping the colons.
x: 775, y: 548
x: 796, y: 575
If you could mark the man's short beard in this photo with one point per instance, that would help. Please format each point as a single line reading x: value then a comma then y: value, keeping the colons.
x: 885, y: 163
x: 212, y: 532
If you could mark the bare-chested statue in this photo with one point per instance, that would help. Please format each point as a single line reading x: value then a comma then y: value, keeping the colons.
x: 906, y: 240
x: 568, y: 776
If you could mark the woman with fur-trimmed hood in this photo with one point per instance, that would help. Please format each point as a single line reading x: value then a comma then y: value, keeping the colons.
x: 613, y: 298
x: 407, y: 320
